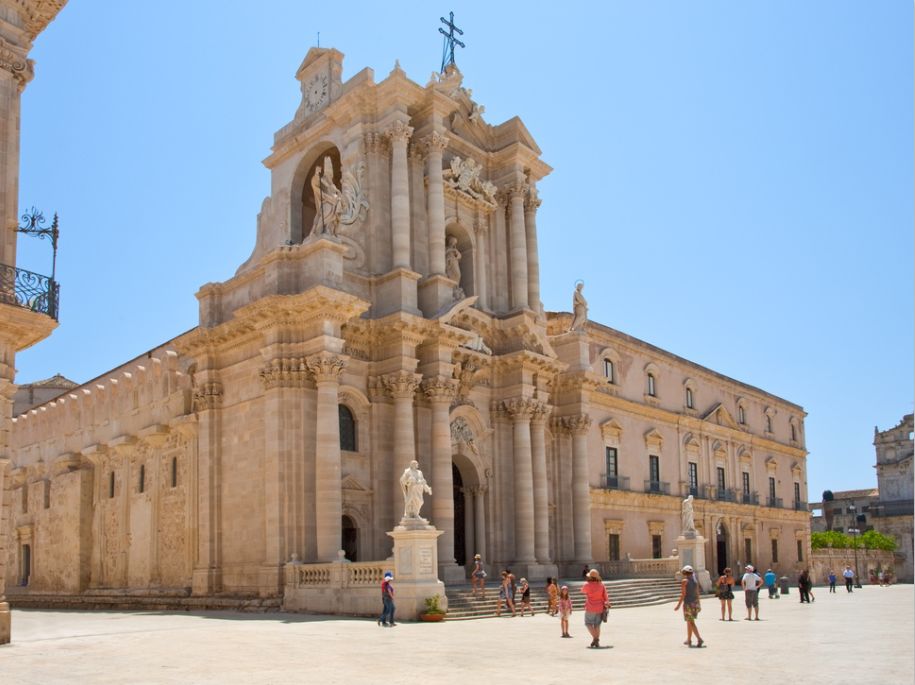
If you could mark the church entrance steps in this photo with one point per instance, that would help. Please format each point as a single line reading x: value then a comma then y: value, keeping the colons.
x: 462, y: 605
x: 134, y: 601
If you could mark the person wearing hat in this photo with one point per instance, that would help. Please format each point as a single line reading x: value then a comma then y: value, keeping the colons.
x: 689, y: 599
x: 478, y: 577
x: 751, y: 582
x: 596, y: 603
x: 387, y: 601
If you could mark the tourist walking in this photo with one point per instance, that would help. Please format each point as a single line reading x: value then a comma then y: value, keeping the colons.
x: 552, y: 595
x: 770, y: 581
x: 565, y: 610
x: 478, y: 577
x: 832, y: 580
x: 387, y: 601
x: 849, y: 576
x: 751, y: 582
x: 724, y: 588
x: 525, y: 597
x: 596, y: 605
x: 689, y: 600
x: 505, y: 594
x: 803, y: 586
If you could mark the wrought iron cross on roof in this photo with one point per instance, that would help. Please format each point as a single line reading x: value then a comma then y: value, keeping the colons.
x: 450, y: 40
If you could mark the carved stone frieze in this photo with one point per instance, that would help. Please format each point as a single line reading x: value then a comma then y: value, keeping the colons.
x: 285, y: 373
x: 208, y: 395
x: 401, y: 384
x: 325, y: 367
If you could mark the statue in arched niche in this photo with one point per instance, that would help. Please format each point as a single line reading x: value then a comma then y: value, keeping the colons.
x: 337, y: 206
x: 453, y: 260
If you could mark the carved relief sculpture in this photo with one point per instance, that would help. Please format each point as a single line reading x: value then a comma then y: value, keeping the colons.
x: 337, y: 206
x: 464, y: 175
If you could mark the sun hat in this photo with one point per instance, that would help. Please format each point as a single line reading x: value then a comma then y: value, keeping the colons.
x: 476, y: 556
x: 749, y: 567
x: 593, y: 574
x: 686, y: 569
x: 388, y: 574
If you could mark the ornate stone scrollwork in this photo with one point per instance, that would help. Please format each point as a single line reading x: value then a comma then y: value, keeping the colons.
x: 401, y: 383
x: 325, y: 367
x: 462, y: 433
x: 285, y: 373
x: 533, y: 200
x: 439, y: 388
x: 464, y: 176
x: 18, y: 65
x: 541, y: 412
x: 208, y: 396
x: 338, y: 206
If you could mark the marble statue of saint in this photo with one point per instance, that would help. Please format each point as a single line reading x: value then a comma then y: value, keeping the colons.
x: 579, y: 309
x: 689, y: 524
x: 335, y: 206
x: 453, y: 260
x: 413, y: 485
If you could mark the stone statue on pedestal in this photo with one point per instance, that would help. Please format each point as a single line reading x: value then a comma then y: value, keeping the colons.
x: 413, y: 485
x: 688, y: 522
x: 579, y: 309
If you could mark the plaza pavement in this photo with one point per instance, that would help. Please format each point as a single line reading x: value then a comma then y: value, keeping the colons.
x: 863, y: 637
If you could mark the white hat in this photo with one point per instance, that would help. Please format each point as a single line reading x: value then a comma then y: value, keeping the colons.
x: 686, y: 569
x: 750, y: 567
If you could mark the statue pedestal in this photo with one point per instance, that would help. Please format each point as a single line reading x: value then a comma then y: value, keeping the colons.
x: 5, y: 628
x: 691, y: 547
x: 574, y: 349
x: 416, y: 567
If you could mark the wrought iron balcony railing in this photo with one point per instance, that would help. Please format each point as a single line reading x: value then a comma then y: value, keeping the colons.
x: 775, y: 502
x: 657, y: 486
x: 800, y: 505
x: 725, y: 495
x: 29, y: 290
x: 749, y: 497
x: 615, y: 482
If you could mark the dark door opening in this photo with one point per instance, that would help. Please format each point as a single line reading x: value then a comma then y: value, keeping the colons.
x: 460, y: 551
x: 350, y: 534
x: 26, y: 564
x: 722, y: 549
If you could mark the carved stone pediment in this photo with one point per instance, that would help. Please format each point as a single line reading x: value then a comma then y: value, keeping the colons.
x: 718, y: 414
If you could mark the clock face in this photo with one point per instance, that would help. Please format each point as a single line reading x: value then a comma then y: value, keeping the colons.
x: 316, y: 92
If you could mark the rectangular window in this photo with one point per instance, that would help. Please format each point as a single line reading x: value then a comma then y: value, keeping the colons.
x: 608, y: 370
x: 746, y: 483
x: 689, y: 398
x: 748, y: 549
x: 174, y: 472
x: 47, y: 494
x: 800, y: 550
x: 721, y: 482
x: 693, y: 478
x: 614, y: 546
x: 772, y: 488
x: 111, y: 485
x: 797, y: 493
x: 651, y: 388
x: 768, y: 424
x: 611, y: 463
x: 775, y: 551
x: 793, y: 433
x: 141, y: 479
x: 654, y: 468
x: 655, y: 546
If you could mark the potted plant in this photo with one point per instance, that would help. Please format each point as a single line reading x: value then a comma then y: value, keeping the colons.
x: 433, y: 610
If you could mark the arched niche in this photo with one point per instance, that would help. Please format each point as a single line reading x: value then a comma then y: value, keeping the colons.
x: 467, y: 246
x: 303, y: 207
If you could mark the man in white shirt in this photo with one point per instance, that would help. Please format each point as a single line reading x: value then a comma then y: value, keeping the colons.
x: 751, y: 582
x: 849, y: 576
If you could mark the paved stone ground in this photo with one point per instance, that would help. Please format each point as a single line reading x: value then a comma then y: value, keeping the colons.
x: 853, y: 638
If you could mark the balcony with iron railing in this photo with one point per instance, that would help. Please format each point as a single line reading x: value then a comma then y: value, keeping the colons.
x: 29, y: 290
x: 749, y: 497
x: 800, y: 505
x: 725, y: 495
x: 657, y: 487
x: 614, y: 482
x: 774, y: 502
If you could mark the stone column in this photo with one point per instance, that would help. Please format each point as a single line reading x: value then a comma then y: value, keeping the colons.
x: 533, y: 260
x: 481, y: 261
x: 581, y: 490
x: 327, y: 369
x: 208, y: 403
x: 400, y: 134
x: 434, y: 145
x: 441, y: 391
x: 401, y: 387
x: 521, y: 410
x: 518, y: 260
x: 479, y: 520
x: 4, y: 550
x: 469, y: 541
x: 541, y: 495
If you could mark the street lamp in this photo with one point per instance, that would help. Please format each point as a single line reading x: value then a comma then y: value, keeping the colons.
x: 854, y: 532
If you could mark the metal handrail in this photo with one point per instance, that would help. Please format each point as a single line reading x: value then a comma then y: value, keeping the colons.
x: 29, y: 290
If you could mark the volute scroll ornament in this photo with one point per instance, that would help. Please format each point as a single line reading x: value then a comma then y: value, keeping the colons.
x: 521, y: 408
x: 18, y: 65
x: 464, y: 175
x: 399, y: 131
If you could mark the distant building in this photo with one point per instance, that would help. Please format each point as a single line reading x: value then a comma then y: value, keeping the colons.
x: 31, y: 395
x: 888, y: 508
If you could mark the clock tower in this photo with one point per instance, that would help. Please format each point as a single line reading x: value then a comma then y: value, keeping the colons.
x: 320, y: 76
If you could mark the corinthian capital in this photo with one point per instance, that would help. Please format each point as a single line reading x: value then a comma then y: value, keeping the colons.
x: 325, y: 367
x: 440, y: 389
x: 284, y: 373
x: 401, y: 384
x: 577, y: 424
x: 521, y: 408
x: 517, y: 191
x: 208, y: 396
x: 542, y: 412
x: 399, y: 131
x: 15, y: 62
x: 434, y: 142
x: 533, y: 200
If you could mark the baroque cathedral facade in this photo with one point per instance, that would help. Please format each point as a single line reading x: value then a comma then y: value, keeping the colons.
x: 391, y: 311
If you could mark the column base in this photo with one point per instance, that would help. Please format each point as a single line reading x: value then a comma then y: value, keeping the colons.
x: 206, y: 581
x: 6, y: 633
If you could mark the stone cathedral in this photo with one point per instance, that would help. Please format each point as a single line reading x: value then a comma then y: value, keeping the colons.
x: 391, y: 311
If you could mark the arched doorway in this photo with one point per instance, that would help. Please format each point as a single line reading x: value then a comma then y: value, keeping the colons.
x: 350, y: 538
x: 721, y: 549
x: 460, y: 532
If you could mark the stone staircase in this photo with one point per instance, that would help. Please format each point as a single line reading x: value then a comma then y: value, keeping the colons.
x: 462, y: 605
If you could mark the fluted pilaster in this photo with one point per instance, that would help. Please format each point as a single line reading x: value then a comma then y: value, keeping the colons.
x: 533, y: 259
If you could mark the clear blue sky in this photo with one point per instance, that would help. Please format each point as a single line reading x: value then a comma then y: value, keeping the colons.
x: 733, y: 180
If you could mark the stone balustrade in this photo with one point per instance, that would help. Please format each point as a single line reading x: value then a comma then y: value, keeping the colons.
x: 639, y: 568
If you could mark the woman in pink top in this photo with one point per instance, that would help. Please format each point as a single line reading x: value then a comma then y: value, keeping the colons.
x: 596, y: 601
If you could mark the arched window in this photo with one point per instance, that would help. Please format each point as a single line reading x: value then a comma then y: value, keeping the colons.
x: 347, y: 429
x: 689, y: 398
x: 768, y: 424
x: 651, y: 385
x: 608, y: 370
x: 741, y: 415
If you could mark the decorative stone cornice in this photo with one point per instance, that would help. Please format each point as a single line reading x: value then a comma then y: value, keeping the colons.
x: 401, y: 384
x: 285, y: 373
x: 326, y: 367
x: 399, y: 131
x: 37, y: 14
x: 440, y: 389
x: 208, y: 396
